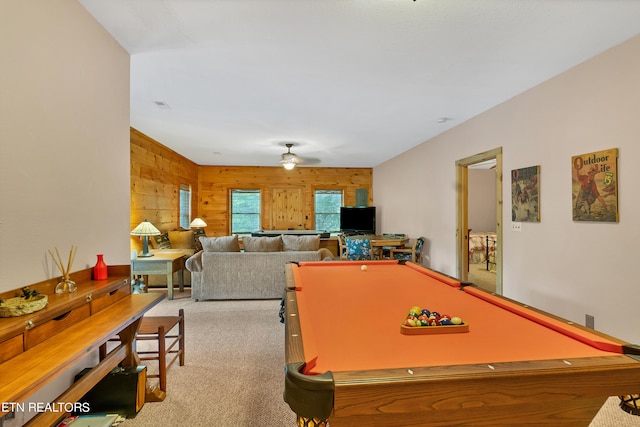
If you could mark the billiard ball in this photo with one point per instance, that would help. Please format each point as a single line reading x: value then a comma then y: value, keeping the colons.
x: 363, y: 268
x: 412, y: 322
x: 456, y: 320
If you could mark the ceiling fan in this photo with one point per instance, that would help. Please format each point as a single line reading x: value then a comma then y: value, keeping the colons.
x: 289, y: 159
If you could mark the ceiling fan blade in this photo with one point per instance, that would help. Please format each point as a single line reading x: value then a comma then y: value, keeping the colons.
x: 310, y: 161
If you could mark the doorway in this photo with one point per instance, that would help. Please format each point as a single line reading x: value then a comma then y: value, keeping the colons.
x: 462, y: 202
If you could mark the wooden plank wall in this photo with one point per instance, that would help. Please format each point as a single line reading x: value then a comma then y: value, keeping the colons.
x: 156, y: 175
x: 157, y: 172
x: 215, y: 183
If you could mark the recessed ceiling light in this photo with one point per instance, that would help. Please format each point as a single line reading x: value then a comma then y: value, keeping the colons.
x: 162, y: 104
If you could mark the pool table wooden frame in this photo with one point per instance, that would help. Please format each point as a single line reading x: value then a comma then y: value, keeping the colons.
x: 555, y: 392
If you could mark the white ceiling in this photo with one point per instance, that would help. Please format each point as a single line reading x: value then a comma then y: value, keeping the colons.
x: 353, y: 82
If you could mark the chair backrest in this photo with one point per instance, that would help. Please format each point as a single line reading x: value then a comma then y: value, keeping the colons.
x: 342, y: 247
x: 358, y: 249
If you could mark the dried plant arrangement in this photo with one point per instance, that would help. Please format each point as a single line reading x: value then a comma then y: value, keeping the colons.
x: 66, y: 285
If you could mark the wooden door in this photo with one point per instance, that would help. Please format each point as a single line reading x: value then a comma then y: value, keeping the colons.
x: 287, y: 206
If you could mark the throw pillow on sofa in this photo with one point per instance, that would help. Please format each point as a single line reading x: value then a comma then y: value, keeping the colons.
x: 220, y: 244
x: 197, y: 233
x: 300, y: 243
x: 262, y: 244
x: 181, y: 239
x: 161, y: 241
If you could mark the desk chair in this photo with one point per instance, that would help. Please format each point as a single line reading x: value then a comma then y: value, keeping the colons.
x: 414, y: 253
x: 158, y: 328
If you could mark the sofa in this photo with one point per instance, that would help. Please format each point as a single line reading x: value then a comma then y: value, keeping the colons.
x: 222, y: 271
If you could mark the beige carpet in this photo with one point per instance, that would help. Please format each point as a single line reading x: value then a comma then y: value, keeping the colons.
x: 481, y: 277
x: 233, y: 373
x: 234, y: 376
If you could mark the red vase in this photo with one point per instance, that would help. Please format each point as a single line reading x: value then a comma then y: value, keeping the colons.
x: 100, y: 270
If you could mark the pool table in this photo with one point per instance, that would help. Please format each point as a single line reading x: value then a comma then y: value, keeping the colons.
x: 349, y: 364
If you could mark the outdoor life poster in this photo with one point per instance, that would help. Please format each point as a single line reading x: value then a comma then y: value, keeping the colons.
x: 594, y: 183
x: 525, y: 195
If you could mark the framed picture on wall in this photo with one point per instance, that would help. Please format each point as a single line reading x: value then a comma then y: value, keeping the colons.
x: 525, y: 194
x: 594, y: 184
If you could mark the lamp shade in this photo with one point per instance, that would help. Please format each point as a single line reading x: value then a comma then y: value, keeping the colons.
x: 145, y: 228
x: 197, y: 223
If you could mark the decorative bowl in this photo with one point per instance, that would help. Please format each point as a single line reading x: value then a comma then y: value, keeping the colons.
x: 20, y: 306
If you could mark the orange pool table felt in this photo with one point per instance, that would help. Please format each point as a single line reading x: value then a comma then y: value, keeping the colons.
x: 350, y: 321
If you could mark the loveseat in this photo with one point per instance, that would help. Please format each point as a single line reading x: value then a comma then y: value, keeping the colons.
x: 222, y: 271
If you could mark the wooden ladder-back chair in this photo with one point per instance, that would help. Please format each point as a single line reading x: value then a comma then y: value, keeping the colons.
x: 342, y: 247
x: 413, y: 253
x: 168, y: 332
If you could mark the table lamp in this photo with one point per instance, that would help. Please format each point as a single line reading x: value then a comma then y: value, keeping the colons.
x: 146, y: 229
x: 197, y: 223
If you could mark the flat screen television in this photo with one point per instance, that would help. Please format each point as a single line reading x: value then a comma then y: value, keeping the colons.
x: 358, y: 219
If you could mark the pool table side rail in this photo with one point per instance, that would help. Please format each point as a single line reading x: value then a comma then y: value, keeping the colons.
x: 505, y: 386
x: 307, y: 396
x: 451, y: 281
x: 585, y: 335
x: 346, y: 262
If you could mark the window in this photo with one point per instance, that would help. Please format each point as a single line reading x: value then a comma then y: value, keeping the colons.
x: 185, y: 206
x: 245, y: 211
x: 327, y: 209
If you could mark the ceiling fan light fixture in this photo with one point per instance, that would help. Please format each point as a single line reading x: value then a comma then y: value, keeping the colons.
x: 289, y: 159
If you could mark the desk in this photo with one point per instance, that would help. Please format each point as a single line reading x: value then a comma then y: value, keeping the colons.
x: 388, y: 241
x: 62, y: 334
x: 161, y: 263
x: 273, y: 233
x: 348, y: 362
x: 382, y: 240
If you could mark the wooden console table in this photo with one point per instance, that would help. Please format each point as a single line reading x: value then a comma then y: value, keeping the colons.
x: 36, y: 348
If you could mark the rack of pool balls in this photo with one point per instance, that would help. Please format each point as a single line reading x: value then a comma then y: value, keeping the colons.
x: 420, y: 321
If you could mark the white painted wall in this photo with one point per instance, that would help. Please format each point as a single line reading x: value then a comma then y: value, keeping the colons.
x: 482, y: 199
x: 64, y: 140
x: 565, y: 267
x: 64, y: 148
